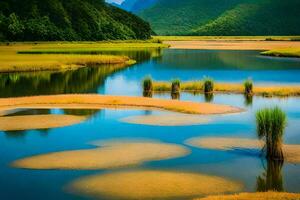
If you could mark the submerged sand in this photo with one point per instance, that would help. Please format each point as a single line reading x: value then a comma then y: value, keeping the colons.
x: 109, y: 155
x: 89, y: 101
x: 291, y: 152
x: 232, y: 45
x: 256, y: 196
x: 152, y: 184
x: 167, y: 120
x: 28, y: 122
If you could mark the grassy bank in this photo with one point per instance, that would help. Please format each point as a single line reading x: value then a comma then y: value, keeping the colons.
x: 71, y: 55
x: 256, y: 196
x: 241, y: 38
x: 197, y: 87
x: 288, y: 52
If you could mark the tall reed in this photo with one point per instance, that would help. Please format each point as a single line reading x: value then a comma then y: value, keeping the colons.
x: 147, y: 86
x: 271, y: 123
x: 248, y: 87
x: 176, y: 86
x: 208, y: 85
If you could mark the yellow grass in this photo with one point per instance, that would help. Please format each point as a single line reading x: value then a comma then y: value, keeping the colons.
x: 167, y: 120
x: 256, y: 196
x: 152, y: 184
x: 106, y: 101
x: 110, y: 155
x: 10, y: 61
x: 288, y: 52
x: 197, y: 86
x: 28, y: 122
x: 291, y: 152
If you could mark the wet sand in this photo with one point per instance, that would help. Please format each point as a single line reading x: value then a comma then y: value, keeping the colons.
x: 232, y: 45
x: 29, y: 122
x: 256, y: 196
x: 291, y: 152
x: 167, y: 120
x: 110, y: 154
x: 152, y: 184
x: 93, y: 101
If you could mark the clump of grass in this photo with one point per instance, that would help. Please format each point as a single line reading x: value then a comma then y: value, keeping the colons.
x: 147, y: 86
x: 248, y: 87
x: 271, y: 123
x: 208, y: 85
x: 175, y: 86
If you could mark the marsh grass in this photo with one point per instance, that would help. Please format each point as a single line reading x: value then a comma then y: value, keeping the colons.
x: 236, y: 88
x: 288, y: 52
x: 271, y: 123
x: 175, y: 88
x: 208, y: 85
x: 248, y: 87
x: 147, y: 86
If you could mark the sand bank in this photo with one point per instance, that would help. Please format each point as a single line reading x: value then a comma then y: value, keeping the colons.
x: 233, y: 45
x: 105, y: 101
x: 28, y: 122
x: 150, y: 184
x: 291, y: 152
x: 256, y: 196
x: 109, y: 155
x: 167, y: 120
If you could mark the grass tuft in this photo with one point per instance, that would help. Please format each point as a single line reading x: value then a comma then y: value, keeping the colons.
x: 248, y: 85
x: 175, y: 86
x: 208, y: 85
x: 271, y: 123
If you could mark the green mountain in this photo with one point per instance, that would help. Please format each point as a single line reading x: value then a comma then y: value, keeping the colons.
x: 224, y: 17
x: 49, y: 20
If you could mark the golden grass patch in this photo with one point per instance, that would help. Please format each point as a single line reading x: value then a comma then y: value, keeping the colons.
x: 151, y: 184
x: 197, y: 86
x: 167, y: 120
x: 28, y: 122
x: 107, y: 101
x: 256, y: 196
x: 291, y: 152
x: 110, y: 155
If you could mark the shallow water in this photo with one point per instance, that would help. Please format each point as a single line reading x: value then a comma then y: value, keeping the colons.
x: 230, y: 66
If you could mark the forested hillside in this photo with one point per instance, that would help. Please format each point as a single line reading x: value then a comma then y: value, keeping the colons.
x: 224, y: 17
x: 48, y: 20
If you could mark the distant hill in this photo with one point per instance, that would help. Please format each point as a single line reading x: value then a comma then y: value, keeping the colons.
x: 137, y: 6
x: 224, y: 17
x: 48, y: 20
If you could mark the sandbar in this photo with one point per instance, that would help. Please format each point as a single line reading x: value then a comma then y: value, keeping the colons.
x: 108, y: 155
x: 291, y: 151
x: 256, y: 196
x: 94, y: 101
x: 232, y: 45
x: 28, y: 122
x: 167, y: 120
x: 152, y: 184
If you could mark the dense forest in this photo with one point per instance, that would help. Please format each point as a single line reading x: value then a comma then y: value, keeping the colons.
x: 224, y: 17
x: 68, y: 20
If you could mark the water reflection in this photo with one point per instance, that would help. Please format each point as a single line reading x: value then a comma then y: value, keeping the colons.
x: 209, y: 97
x: 248, y: 100
x: 175, y: 96
x: 271, y: 179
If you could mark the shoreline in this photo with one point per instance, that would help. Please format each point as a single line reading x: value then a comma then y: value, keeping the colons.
x: 259, y: 45
x: 94, y: 101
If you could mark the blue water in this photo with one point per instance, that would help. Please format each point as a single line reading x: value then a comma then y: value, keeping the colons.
x: 230, y: 66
